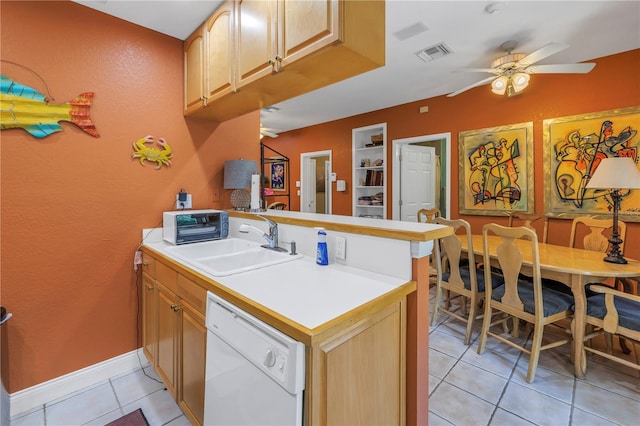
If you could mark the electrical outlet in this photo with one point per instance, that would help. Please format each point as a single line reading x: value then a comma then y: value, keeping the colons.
x: 180, y: 205
x: 341, y: 248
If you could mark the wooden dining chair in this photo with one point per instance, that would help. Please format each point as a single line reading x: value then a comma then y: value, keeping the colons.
x: 615, y: 313
x: 528, y: 219
x: 278, y: 205
x: 524, y: 300
x: 593, y: 233
x: 456, y: 279
x: 428, y: 214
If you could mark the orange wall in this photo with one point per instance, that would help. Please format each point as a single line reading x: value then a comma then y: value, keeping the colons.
x: 73, y: 206
x: 613, y: 83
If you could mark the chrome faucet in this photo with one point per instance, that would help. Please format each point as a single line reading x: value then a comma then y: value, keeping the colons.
x: 271, y: 237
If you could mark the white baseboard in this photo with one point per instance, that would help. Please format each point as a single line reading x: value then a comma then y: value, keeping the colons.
x: 35, y: 396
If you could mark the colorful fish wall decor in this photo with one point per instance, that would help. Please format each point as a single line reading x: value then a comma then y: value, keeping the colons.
x: 162, y: 157
x: 23, y: 107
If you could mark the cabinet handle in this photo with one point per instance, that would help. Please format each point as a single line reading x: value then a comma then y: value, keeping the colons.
x: 176, y: 308
x: 149, y: 287
x: 145, y: 264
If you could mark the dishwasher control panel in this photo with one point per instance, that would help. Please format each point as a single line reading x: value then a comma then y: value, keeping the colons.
x: 272, y: 351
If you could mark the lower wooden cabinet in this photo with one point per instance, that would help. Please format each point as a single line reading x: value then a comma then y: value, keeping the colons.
x: 193, y: 348
x: 174, y: 337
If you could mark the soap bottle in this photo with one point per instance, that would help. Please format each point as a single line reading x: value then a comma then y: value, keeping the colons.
x: 322, y: 256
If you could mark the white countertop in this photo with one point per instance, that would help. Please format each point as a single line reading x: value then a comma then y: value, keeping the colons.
x: 310, y: 294
x: 301, y: 290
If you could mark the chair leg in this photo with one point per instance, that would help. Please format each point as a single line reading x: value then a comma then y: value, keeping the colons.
x: 623, y: 346
x: 486, y: 322
x: 447, y: 300
x: 536, y: 344
x: 515, y: 332
x: 470, y: 319
x: 609, y: 342
x: 436, y: 304
x: 463, y: 305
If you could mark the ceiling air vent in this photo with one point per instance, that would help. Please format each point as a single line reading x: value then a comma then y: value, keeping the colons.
x: 434, y: 52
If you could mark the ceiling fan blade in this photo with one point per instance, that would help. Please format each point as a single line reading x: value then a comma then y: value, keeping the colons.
x: 548, y: 50
x: 476, y: 84
x: 561, y: 68
x: 490, y: 70
x: 266, y: 132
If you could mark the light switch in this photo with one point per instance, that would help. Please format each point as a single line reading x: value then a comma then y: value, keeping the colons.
x: 341, y: 248
x: 334, y: 177
x: 341, y: 185
x: 297, y: 184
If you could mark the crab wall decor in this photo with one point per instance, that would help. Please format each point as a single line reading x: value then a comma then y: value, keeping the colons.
x: 162, y: 157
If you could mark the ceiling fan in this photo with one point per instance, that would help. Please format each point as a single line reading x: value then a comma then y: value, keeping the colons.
x: 511, y: 71
x: 264, y: 131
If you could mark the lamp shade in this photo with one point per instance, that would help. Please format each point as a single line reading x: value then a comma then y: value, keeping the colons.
x: 520, y: 80
x: 237, y: 173
x: 616, y: 173
x: 499, y: 85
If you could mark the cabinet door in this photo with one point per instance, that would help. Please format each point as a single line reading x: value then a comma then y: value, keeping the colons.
x: 168, y: 315
x: 219, y: 42
x: 364, y: 370
x: 193, y: 348
x: 194, y: 71
x: 306, y: 26
x: 256, y: 23
x: 149, y: 336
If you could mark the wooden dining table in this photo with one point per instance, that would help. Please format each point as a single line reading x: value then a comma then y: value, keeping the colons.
x: 573, y: 267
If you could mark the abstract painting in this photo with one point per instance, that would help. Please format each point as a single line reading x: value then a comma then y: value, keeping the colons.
x: 573, y: 148
x: 496, y: 170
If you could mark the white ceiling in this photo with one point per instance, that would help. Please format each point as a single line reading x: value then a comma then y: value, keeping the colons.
x: 592, y: 28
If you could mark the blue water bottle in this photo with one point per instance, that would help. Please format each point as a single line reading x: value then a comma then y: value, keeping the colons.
x: 322, y: 256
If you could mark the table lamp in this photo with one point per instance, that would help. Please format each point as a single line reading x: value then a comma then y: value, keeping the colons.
x: 237, y: 176
x: 614, y: 174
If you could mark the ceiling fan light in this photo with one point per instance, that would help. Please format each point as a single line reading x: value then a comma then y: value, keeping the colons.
x: 499, y: 85
x: 520, y: 81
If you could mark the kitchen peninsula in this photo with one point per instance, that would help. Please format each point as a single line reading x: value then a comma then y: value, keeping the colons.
x: 363, y: 319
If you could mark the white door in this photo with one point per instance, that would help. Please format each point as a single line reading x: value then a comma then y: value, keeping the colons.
x: 417, y: 180
x: 309, y: 184
x: 308, y: 200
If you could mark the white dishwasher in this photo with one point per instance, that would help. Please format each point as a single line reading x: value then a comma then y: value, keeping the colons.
x: 254, y: 373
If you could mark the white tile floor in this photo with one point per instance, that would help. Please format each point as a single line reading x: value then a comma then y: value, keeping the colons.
x: 490, y: 389
x: 107, y: 401
x: 464, y: 389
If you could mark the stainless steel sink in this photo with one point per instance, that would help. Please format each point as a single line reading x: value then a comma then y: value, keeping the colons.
x: 229, y: 256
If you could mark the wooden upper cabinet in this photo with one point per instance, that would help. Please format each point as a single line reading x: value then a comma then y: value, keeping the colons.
x: 219, y: 45
x: 194, y: 71
x: 275, y: 33
x: 257, y: 44
x: 262, y: 52
x: 306, y: 26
